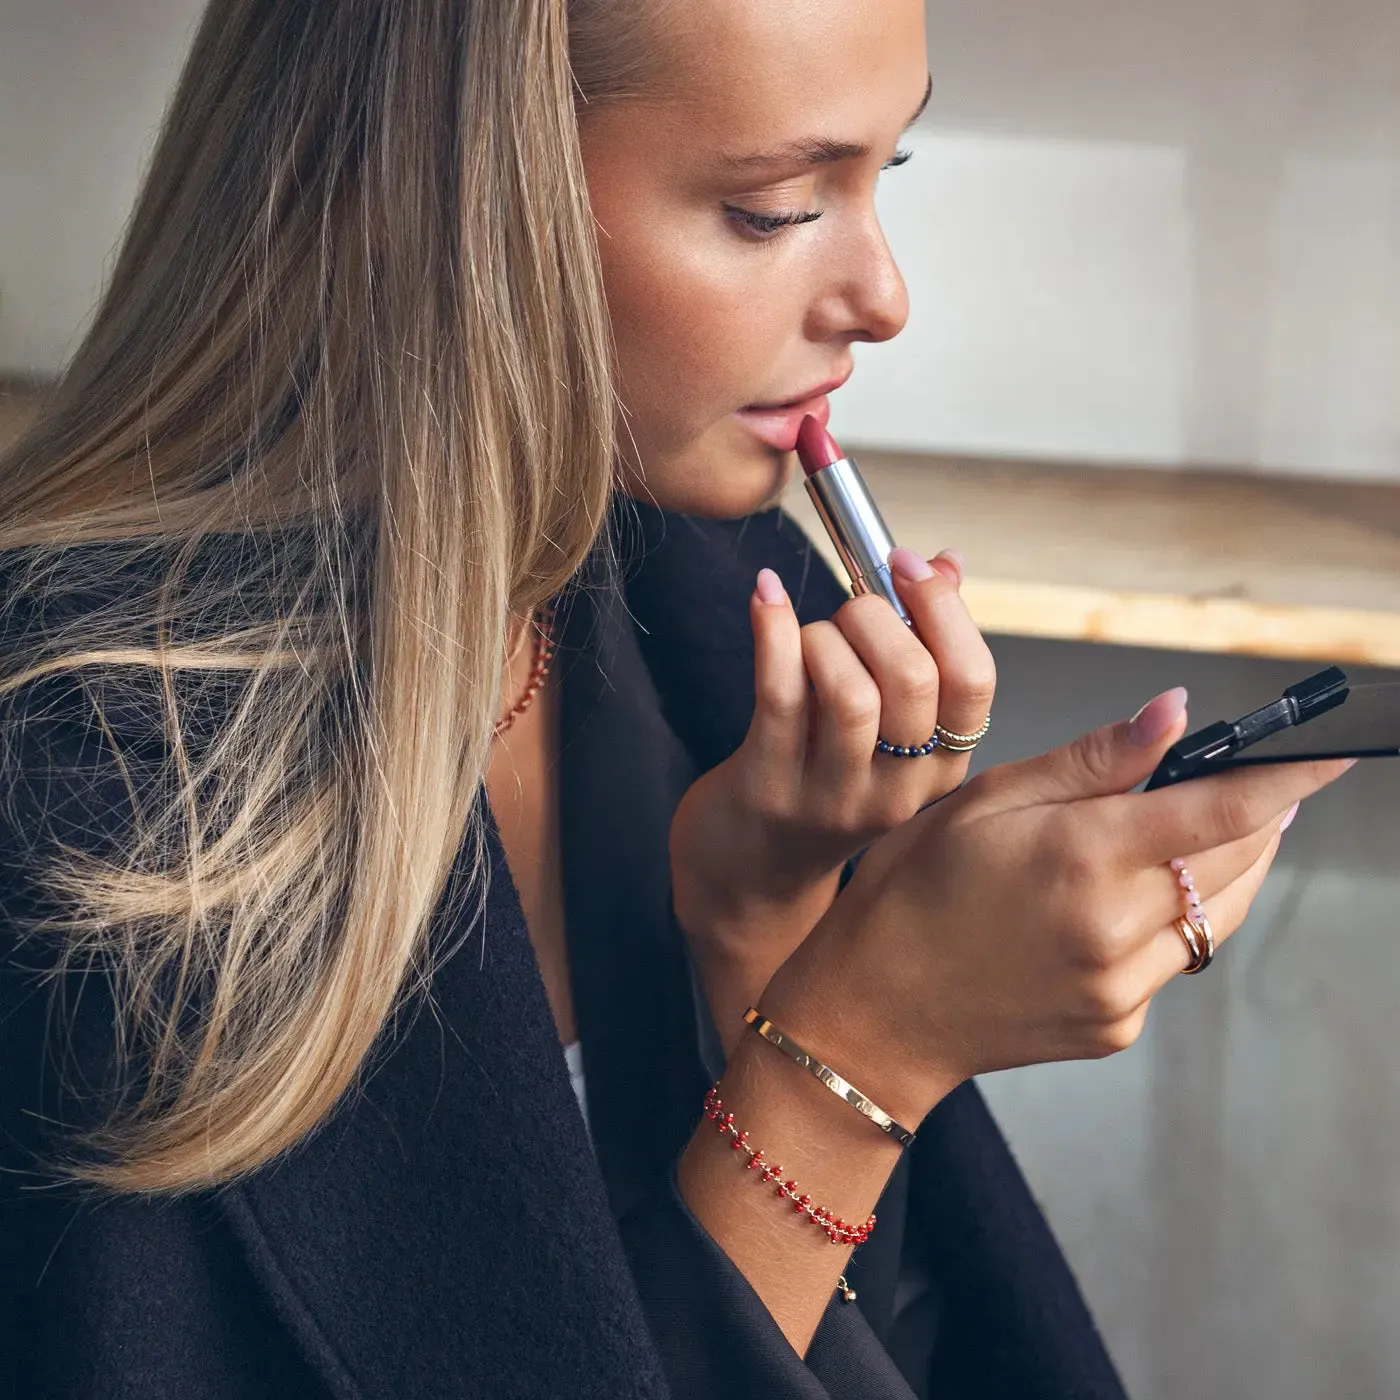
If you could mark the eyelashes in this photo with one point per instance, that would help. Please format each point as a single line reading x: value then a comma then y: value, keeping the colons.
x: 766, y: 226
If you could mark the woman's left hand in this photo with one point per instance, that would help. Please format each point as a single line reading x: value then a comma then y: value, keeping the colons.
x: 758, y: 843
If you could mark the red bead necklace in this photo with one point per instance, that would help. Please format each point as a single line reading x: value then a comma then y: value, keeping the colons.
x: 543, y: 622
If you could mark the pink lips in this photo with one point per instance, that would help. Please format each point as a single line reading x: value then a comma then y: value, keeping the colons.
x: 777, y: 425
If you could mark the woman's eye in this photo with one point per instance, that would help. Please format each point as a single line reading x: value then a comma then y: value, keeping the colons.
x: 766, y: 225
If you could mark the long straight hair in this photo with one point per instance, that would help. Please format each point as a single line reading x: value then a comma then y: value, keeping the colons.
x: 344, y: 411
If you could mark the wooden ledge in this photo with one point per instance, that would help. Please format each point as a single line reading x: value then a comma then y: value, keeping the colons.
x: 1188, y: 560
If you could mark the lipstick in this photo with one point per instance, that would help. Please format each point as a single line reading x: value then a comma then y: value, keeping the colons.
x: 849, y: 513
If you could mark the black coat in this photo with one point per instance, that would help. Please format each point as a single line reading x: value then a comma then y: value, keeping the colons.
x: 452, y: 1231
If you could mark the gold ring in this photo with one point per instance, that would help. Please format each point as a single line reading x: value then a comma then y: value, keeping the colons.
x: 1199, y: 938
x: 1188, y: 934
x: 961, y: 743
x: 1201, y: 924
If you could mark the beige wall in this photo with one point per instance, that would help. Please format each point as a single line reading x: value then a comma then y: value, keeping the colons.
x: 1156, y: 230
x: 1166, y: 230
x: 82, y: 85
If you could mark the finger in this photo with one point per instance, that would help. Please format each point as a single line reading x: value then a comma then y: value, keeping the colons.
x: 899, y: 663
x: 1167, y: 956
x: 845, y: 718
x: 777, y: 737
x: 1161, y: 894
x: 1102, y: 763
x: 967, y: 674
x: 1203, y: 813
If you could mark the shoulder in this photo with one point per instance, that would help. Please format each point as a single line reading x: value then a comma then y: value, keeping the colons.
x: 79, y: 760
x: 84, y: 736
x: 70, y: 792
x: 61, y: 796
x: 72, y: 769
x: 78, y: 746
x: 61, y: 776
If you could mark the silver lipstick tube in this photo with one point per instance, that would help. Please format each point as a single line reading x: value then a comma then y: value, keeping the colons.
x: 861, y: 537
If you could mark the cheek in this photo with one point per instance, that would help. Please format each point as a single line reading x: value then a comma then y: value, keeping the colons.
x: 695, y: 341
x: 698, y: 324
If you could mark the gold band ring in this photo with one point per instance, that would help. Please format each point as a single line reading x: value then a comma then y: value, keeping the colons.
x: 961, y: 743
x: 1201, y: 924
x: 1199, y: 938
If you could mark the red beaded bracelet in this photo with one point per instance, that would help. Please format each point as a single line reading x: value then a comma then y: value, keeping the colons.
x: 836, y: 1229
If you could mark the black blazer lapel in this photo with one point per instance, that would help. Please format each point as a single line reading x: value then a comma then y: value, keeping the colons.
x: 623, y: 772
x: 447, y: 1232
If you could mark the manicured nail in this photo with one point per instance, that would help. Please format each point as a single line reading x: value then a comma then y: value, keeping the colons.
x: 950, y: 564
x: 1156, y: 717
x: 911, y: 567
x: 1288, y: 818
x: 770, y: 587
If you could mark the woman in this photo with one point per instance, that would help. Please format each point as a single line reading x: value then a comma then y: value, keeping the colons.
x: 364, y: 744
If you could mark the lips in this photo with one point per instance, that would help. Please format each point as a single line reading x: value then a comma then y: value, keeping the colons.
x: 776, y: 425
x: 819, y: 392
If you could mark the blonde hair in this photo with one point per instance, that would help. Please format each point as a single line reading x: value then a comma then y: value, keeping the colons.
x: 344, y: 411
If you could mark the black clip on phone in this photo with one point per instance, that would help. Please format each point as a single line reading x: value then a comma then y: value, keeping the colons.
x: 1321, y: 717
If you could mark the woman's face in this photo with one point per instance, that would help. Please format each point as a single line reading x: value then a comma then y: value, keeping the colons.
x: 741, y: 253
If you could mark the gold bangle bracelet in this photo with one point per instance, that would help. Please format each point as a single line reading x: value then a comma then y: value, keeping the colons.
x: 829, y: 1077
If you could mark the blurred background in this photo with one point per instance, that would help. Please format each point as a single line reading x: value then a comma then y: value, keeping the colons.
x: 1151, y: 388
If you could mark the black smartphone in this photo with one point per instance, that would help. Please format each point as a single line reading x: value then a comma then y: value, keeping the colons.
x: 1323, y: 716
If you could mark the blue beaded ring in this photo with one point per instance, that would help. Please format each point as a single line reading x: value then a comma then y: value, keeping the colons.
x: 903, y: 751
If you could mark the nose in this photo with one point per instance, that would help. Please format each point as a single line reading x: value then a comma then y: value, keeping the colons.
x: 867, y: 300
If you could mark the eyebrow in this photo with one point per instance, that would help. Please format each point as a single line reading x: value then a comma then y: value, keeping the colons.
x: 816, y: 150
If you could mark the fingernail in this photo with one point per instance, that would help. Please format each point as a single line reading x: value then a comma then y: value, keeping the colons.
x: 1351, y: 763
x: 953, y: 565
x: 1288, y: 819
x: 770, y: 587
x: 911, y: 567
x: 1156, y: 717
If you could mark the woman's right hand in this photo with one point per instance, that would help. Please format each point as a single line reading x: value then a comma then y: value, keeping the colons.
x: 1029, y: 917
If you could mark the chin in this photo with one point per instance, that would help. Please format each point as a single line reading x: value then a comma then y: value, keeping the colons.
x: 724, y: 483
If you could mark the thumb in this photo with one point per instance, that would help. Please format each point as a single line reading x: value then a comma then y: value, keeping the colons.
x: 1114, y: 759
